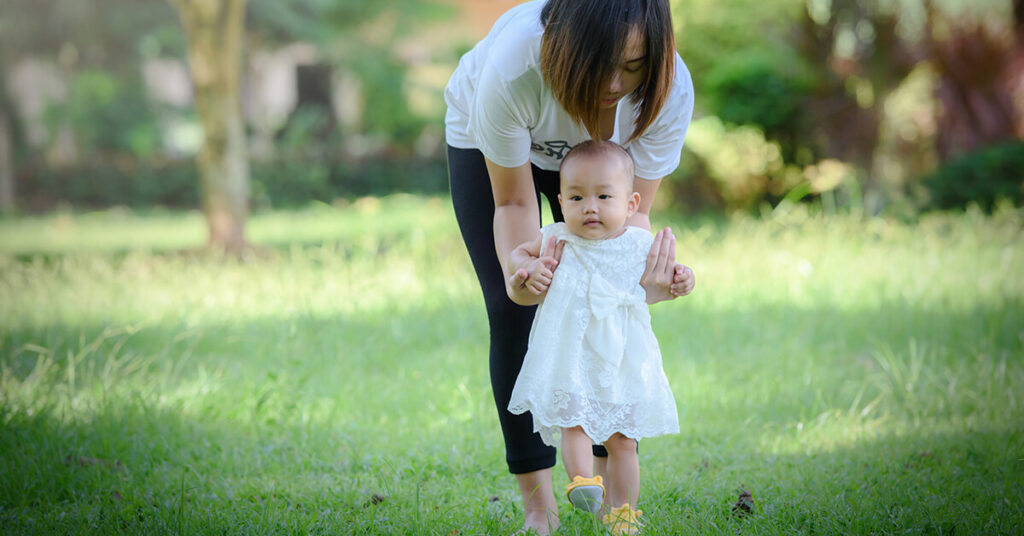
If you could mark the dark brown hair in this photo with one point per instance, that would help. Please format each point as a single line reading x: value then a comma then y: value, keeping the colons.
x: 581, y: 48
x: 601, y: 147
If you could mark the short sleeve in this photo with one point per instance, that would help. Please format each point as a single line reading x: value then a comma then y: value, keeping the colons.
x: 656, y: 153
x: 500, y: 122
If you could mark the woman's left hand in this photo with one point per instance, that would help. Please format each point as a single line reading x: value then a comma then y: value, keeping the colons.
x: 664, y: 278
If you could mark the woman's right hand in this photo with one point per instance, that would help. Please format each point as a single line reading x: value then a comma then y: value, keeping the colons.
x: 531, y: 275
x: 664, y: 278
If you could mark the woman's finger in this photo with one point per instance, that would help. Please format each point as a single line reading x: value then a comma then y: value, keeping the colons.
x: 661, y: 266
x: 549, y: 249
x: 557, y: 253
x: 655, y: 253
x: 670, y: 258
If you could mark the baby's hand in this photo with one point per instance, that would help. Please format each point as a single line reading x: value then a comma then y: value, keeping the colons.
x: 532, y: 281
x: 529, y: 283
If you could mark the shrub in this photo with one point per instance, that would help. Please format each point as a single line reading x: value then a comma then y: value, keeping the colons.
x: 280, y: 183
x: 983, y: 176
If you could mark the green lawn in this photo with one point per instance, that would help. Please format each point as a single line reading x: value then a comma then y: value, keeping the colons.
x: 854, y: 376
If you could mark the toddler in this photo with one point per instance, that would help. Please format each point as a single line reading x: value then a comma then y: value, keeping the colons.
x: 593, y: 372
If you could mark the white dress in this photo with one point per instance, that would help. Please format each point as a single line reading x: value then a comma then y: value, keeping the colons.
x: 593, y: 360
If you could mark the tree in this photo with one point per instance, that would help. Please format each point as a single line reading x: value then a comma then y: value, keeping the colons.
x: 215, y: 30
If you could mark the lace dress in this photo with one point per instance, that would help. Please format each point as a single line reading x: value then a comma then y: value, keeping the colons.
x: 593, y: 360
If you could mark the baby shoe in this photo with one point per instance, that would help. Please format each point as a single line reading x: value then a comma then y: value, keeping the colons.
x: 623, y: 521
x: 586, y: 493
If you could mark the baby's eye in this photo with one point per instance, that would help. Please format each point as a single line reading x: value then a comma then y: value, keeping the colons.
x: 604, y: 196
x: 576, y: 198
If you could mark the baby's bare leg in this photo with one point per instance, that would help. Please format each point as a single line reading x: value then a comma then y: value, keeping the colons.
x: 576, y: 453
x: 623, y: 471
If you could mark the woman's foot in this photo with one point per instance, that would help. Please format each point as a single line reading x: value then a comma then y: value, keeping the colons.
x: 538, y: 502
x: 539, y: 523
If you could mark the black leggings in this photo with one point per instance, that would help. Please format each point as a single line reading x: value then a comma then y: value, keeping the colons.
x: 509, y: 323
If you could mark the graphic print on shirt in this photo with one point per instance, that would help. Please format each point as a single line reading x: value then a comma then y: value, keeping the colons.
x: 554, y: 148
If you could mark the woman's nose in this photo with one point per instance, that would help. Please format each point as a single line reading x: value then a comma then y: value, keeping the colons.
x: 616, y: 83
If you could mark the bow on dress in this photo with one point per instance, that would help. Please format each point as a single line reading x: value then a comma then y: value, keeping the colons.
x: 607, y: 333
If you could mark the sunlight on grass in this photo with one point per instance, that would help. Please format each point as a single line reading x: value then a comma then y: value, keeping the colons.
x: 855, y: 376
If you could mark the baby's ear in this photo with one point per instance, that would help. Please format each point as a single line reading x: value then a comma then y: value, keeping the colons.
x: 634, y: 203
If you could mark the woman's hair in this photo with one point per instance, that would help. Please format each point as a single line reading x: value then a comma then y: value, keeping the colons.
x: 581, y: 48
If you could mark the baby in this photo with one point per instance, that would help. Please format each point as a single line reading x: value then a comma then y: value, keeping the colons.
x: 593, y: 371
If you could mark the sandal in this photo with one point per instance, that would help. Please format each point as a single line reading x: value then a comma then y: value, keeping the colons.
x: 586, y: 494
x: 623, y: 521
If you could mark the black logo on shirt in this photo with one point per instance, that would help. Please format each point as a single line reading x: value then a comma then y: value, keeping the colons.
x: 555, y: 148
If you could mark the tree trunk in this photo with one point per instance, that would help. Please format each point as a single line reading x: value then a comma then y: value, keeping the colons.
x: 7, y: 203
x: 214, y: 29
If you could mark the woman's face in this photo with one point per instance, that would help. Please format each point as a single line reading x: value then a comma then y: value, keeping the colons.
x: 630, y: 71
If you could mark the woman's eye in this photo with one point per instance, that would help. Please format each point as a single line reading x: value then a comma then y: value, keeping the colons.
x: 635, y: 67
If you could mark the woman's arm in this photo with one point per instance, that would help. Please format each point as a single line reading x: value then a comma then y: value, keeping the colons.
x: 664, y: 278
x: 516, y: 214
x: 646, y: 189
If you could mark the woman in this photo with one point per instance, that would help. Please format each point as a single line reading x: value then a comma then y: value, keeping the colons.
x: 549, y: 75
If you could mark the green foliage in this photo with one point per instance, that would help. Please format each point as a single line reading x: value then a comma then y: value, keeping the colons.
x: 326, y: 21
x: 758, y: 89
x: 101, y: 33
x: 835, y: 368
x: 101, y: 183
x: 983, y: 177
x: 713, y: 32
x: 280, y: 183
x: 338, y: 29
x: 296, y: 182
x: 108, y: 115
x: 385, y: 106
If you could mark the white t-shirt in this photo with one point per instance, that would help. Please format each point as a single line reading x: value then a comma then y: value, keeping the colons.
x: 498, y: 103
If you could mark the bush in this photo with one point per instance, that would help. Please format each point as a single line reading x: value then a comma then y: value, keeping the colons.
x: 105, y: 183
x: 767, y: 91
x: 983, y: 177
x: 282, y: 183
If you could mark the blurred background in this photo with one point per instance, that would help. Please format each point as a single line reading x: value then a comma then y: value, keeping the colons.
x: 885, y: 106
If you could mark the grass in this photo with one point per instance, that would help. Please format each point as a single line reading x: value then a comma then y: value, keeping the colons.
x: 854, y: 376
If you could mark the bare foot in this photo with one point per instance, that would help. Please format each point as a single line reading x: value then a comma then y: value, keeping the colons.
x: 539, y: 522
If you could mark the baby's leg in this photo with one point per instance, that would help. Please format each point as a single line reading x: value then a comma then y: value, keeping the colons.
x: 576, y: 453
x: 584, y: 491
x: 623, y: 471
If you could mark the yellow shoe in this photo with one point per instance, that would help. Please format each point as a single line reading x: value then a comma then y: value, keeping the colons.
x: 623, y: 521
x: 586, y: 493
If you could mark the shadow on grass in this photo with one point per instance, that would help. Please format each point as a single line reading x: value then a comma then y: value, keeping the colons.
x: 911, y: 482
x: 296, y: 423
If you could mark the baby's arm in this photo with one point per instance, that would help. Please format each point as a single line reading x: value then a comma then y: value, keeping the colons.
x: 531, y: 272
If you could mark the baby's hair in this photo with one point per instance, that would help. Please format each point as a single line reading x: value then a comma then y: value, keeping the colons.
x: 600, y: 148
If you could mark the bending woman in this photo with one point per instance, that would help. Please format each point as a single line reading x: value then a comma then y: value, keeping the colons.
x: 549, y: 75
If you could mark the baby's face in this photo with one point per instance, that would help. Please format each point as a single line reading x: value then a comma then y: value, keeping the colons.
x: 597, y: 196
